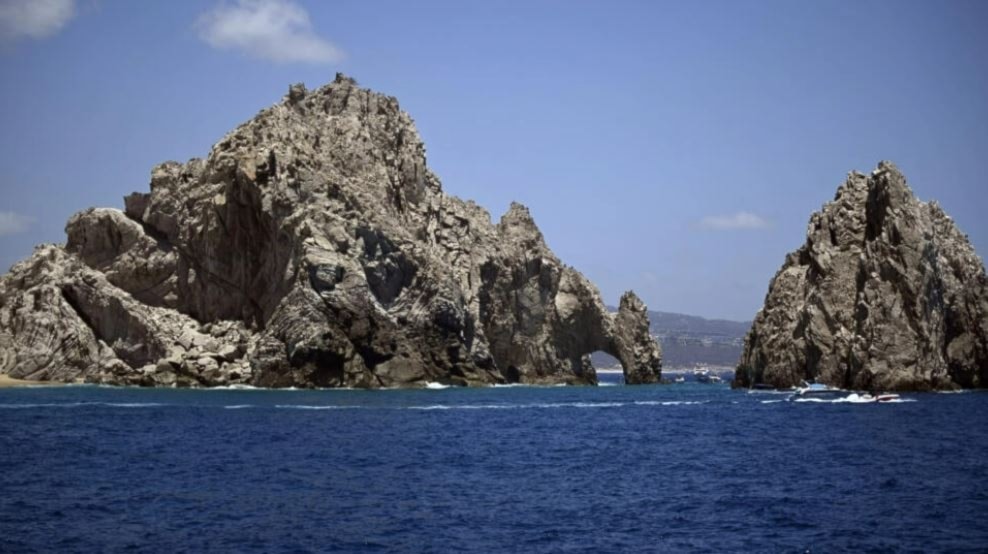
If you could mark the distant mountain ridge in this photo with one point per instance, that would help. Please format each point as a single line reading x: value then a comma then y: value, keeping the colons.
x: 673, y: 324
x: 689, y: 340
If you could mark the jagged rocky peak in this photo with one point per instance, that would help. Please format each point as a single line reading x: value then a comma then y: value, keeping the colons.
x: 886, y: 293
x: 311, y: 247
x: 634, y: 349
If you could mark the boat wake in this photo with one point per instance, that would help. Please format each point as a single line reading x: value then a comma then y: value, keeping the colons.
x: 315, y: 407
x: 855, y: 398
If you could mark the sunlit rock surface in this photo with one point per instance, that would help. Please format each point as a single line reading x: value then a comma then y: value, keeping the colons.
x: 886, y: 294
x: 312, y: 247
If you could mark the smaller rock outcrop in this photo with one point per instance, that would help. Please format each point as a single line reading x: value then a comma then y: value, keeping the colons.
x: 633, y: 348
x: 886, y: 294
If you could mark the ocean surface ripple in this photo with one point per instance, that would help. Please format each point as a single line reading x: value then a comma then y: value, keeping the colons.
x: 693, y: 468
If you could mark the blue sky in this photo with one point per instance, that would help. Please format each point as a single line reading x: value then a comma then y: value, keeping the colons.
x: 674, y: 148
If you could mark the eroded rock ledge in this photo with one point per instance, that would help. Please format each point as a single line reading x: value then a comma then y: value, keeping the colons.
x: 886, y: 294
x: 311, y: 248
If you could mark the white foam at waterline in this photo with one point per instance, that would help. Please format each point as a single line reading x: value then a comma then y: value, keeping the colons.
x: 868, y: 399
x: 239, y: 406
x: 465, y: 407
x: 854, y: 398
x: 668, y: 402
x: 541, y: 386
x: 61, y: 385
x: 313, y: 407
x: 535, y: 406
x: 234, y: 387
x: 771, y: 401
x: 544, y: 405
x: 432, y: 385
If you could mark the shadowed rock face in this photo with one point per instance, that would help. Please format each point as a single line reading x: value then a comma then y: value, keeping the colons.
x: 312, y: 247
x: 886, y: 293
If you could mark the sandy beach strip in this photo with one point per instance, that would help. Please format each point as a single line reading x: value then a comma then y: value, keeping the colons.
x: 7, y: 382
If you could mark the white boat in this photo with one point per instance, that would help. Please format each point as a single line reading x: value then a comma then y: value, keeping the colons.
x: 817, y: 390
x: 703, y: 375
x: 885, y: 397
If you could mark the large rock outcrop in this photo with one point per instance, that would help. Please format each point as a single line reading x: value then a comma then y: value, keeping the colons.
x: 886, y: 293
x: 312, y: 247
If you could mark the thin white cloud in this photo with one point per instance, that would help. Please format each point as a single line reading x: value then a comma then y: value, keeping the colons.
x: 12, y: 224
x: 649, y: 278
x: 738, y: 221
x: 274, y: 30
x: 33, y: 18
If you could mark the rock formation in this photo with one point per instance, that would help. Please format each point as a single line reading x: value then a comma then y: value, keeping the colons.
x: 311, y: 248
x: 885, y: 294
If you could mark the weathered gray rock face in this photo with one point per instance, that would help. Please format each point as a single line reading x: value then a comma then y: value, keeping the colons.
x: 312, y: 247
x: 61, y: 320
x: 886, y: 293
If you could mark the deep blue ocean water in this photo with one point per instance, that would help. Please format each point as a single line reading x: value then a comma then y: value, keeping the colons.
x: 691, y: 467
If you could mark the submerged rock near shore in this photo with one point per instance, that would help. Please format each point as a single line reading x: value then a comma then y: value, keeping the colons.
x: 886, y: 294
x: 311, y: 248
